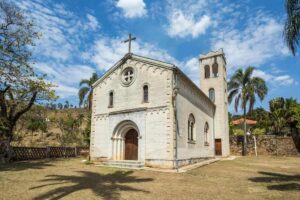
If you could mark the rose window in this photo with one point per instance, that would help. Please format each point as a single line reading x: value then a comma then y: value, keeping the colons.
x: 128, y: 76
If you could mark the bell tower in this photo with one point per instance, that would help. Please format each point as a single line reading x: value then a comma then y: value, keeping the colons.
x: 213, y: 82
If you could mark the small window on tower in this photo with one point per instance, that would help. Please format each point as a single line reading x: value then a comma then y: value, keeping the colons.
x: 211, y: 94
x: 206, y: 71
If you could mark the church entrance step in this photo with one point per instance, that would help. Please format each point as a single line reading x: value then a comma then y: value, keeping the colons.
x: 133, y: 164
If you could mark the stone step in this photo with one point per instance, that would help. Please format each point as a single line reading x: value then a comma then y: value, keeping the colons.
x: 132, y: 164
x: 124, y: 161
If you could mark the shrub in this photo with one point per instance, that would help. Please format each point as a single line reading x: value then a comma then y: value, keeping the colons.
x: 238, y: 131
x: 259, y: 131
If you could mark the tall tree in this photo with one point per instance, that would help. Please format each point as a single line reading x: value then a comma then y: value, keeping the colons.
x: 292, y: 24
x: 20, y: 86
x: 281, y: 113
x: 86, y: 91
x: 244, y: 89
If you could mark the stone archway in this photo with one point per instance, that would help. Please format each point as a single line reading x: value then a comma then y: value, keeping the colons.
x: 125, y: 141
x: 131, y: 145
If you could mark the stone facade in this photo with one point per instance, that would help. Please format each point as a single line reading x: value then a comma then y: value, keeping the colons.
x: 217, y: 82
x: 266, y: 145
x: 160, y: 122
x: 190, y: 100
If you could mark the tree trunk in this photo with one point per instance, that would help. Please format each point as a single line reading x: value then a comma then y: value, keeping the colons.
x: 244, y: 152
x: 6, y: 150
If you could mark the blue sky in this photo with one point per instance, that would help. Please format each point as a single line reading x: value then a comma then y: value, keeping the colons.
x: 83, y: 36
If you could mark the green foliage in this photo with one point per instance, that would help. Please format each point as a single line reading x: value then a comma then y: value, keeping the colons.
x: 238, y: 131
x: 292, y: 24
x: 87, y: 130
x: 244, y: 89
x: 262, y: 117
x: 70, y: 127
x: 86, y: 92
x: 259, y: 131
x: 280, y: 113
x: 295, y: 110
x: 37, y: 123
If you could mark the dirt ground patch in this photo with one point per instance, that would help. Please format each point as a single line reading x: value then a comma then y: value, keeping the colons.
x: 243, y: 178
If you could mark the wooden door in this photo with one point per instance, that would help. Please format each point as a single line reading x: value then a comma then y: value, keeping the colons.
x: 131, y: 145
x: 218, y: 147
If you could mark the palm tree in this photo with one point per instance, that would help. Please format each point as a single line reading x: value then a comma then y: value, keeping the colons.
x: 86, y: 92
x: 281, y: 114
x: 292, y: 24
x: 244, y: 89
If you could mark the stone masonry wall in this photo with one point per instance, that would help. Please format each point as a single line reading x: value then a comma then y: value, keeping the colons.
x: 266, y: 145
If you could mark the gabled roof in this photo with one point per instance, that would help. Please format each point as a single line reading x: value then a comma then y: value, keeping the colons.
x: 137, y: 58
x: 151, y: 62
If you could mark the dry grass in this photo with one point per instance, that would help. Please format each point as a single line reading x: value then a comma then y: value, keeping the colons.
x: 243, y: 178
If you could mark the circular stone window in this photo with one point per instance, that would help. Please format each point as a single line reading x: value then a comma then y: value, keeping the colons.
x: 127, y: 76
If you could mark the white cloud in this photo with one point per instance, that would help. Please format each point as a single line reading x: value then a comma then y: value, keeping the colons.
x: 191, y: 67
x: 68, y: 74
x: 107, y: 51
x: 260, y: 41
x: 181, y: 25
x: 63, y: 37
x: 92, y: 22
x: 64, y: 91
x: 275, y: 80
x: 132, y: 8
x: 66, y: 77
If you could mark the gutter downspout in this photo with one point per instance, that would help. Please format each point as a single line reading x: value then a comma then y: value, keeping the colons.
x: 175, y: 105
x: 214, y: 134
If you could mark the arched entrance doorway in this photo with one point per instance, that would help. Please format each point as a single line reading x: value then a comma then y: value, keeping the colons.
x: 131, y: 145
x: 125, y: 141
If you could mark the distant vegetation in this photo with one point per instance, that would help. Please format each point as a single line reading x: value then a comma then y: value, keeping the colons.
x: 282, y: 118
x: 42, y: 126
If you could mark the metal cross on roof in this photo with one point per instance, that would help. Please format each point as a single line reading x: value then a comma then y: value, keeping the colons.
x: 129, y: 42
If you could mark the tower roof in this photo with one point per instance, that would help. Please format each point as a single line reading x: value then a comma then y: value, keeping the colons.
x: 211, y: 54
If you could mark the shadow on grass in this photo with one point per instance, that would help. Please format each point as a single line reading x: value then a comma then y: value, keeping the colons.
x: 108, y: 186
x: 284, y: 182
x: 24, y: 165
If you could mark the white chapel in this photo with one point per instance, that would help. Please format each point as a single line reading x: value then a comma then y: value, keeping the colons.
x: 149, y: 113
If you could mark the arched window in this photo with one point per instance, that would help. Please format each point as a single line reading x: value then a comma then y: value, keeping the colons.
x: 145, y: 94
x: 111, y: 99
x: 191, y: 126
x: 211, y: 94
x: 215, y: 69
x: 206, y: 128
x: 206, y: 71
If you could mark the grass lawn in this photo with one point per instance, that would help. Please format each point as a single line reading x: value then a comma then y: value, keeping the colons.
x: 243, y: 178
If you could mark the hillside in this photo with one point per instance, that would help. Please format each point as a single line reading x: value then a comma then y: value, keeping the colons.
x: 64, y: 127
